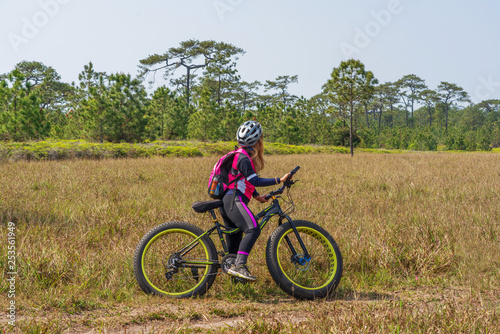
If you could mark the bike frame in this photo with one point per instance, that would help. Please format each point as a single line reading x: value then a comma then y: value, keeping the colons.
x: 265, y: 215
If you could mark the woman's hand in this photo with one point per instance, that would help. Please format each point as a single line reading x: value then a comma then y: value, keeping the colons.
x: 261, y: 198
x: 283, y: 179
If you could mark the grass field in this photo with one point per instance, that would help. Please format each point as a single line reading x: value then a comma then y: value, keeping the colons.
x: 419, y: 233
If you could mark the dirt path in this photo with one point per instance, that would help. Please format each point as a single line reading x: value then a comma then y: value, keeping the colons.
x: 212, y: 315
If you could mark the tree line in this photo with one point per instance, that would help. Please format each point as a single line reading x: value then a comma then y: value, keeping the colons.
x: 206, y: 99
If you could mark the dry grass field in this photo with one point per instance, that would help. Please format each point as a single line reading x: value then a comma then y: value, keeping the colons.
x: 419, y: 234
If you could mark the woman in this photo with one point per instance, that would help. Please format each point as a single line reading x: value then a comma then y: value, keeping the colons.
x: 246, y: 166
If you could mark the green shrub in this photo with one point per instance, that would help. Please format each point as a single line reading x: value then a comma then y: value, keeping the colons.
x: 74, y: 149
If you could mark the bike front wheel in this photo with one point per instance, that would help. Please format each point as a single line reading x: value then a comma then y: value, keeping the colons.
x: 302, y: 276
x: 172, y: 260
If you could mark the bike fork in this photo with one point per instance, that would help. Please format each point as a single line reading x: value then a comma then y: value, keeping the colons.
x: 295, y: 257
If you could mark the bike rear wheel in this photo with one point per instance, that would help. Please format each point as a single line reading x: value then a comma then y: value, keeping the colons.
x: 293, y: 272
x: 170, y: 261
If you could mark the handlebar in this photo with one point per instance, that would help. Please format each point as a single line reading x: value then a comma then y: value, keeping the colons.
x: 293, y: 172
x: 287, y: 183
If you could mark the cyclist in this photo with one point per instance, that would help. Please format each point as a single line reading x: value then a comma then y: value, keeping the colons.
x: 235, y: 211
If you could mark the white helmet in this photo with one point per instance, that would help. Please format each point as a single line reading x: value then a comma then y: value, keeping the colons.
x: 249, y: 133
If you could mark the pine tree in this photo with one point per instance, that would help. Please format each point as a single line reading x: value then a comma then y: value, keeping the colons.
x: 204, y: 124
x: 168, y: 115
x: 351, y: 84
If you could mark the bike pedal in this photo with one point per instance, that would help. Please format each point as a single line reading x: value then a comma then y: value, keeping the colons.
x: 195, y: 273
x: 238, y: 280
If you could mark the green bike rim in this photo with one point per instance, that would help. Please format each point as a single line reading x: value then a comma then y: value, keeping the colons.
x: 152, y: 241
x: 332, y: 256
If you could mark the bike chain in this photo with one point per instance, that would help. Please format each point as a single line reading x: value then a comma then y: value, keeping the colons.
x: 184, y: 267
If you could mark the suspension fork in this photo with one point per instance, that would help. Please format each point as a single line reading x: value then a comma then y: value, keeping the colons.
x: 307, y: 257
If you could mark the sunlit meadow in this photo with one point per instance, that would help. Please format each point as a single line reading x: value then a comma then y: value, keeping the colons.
x: 419, y: 234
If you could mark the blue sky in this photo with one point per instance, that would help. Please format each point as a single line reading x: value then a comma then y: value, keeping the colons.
x: 454, y: 41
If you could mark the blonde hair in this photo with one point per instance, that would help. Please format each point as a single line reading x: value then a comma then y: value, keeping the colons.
x: 257, y: 155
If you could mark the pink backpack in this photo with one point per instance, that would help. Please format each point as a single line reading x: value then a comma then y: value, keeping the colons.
x: 219, y: 178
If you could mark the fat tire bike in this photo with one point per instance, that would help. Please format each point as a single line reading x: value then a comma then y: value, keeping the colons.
x: 178, y: 259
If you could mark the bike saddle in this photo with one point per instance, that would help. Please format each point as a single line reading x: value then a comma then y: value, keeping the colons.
x: 205, y: 206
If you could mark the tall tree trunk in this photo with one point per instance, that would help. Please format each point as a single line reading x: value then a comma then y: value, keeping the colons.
x: 380, y: 118
x: 406, y: 114
x: 446, y: 119
x: 244, y: 103
x: 412, y: 119
x: 162, y: 119
x: 430, y: 115
x: 392, y: 115
x: 187, y: 84
x: 366, y: 114
x: 350, y: 131
x: 218, y: 93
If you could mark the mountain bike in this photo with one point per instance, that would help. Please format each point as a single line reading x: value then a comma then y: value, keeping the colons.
x: 178, y: 259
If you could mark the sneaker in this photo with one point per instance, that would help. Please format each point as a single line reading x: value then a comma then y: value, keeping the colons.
x: 241, y: 271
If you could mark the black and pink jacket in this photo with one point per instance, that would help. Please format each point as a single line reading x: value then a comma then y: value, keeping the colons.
x: 244, y: 168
